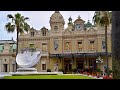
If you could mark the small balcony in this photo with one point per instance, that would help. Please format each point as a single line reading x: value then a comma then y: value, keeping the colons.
x: 67, y: 51
x: 44, y: 53
x: 92, y: 51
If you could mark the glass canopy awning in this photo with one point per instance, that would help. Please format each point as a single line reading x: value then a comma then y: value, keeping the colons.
x: 79, y: 55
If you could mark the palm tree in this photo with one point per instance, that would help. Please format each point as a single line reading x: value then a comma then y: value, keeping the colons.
x: 18, y: 23
x: 116, y: 44
x: 103, y: 18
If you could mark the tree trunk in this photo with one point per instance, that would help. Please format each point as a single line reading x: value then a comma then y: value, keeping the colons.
x: 106, y: 49
x: 17, y: 45
x: 116, y: 44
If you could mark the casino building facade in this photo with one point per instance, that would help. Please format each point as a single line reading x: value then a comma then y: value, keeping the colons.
x: 76, y: 47
x: 7, y: 55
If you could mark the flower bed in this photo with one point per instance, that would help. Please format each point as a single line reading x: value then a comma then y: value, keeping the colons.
x: 107, y: 77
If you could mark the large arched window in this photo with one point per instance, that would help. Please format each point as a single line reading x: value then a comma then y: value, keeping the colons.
x: 55, y: 28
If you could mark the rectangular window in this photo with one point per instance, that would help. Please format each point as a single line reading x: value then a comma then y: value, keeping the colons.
x: 80, y: 46
x: 13, y: 67
x: 3, y: 47
x: 5, y: 67
x: 31, y: 45
x: 44, y: 33
x: 44, y: 47
x: 80, y: 42
x: 32, y: 34
x: 91, y: 42
x: 43, y: 66
x: 92, y: 46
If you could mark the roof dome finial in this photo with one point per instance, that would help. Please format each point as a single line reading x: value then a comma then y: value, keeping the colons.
x: 70, y: 19
x: 79, y: 17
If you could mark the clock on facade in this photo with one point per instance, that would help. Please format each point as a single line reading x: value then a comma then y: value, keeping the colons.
x: 78, y: 26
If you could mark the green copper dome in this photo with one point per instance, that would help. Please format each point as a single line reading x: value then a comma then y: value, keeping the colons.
x: 1, y: 48
x: 13, y: 47
x: 88, y: 24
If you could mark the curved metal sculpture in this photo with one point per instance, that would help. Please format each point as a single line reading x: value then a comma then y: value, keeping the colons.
x: 28, y: 58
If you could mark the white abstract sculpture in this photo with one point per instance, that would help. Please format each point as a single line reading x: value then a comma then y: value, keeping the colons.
x: 28, y: 59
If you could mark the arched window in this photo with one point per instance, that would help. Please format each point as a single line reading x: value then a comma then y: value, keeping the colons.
x: 55, y: 28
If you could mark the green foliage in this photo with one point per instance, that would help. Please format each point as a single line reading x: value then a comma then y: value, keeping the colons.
x: 98, y: 70
x: 102, y: 18
x: 18, y: 22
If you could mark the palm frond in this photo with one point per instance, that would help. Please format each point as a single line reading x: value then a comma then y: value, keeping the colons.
x: 26, y: 27
x: 10, y: 16
x: 18, y: 23
x: 26, y: 18
x: 102, y: 18
x: 21, y: 31
x: 17, y: 16
x: 12, y: 28
x: 9, y: 27
x: 96, y: 17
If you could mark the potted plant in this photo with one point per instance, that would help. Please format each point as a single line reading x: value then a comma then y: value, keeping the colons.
x: 98, y: 71
x: 48, y: 70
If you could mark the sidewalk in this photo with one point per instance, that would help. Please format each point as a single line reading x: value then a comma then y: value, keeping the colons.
x: 2, y: 74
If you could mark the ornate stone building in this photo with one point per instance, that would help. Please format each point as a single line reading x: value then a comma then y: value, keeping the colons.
x: 7, y: 55
x: 76, y: 47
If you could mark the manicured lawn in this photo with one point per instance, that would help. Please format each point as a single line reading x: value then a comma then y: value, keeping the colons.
x: 48, y: 77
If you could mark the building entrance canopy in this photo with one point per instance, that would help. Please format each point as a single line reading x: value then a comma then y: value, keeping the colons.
x: 70, y: 55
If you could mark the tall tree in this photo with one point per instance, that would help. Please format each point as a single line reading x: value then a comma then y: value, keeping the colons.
x: 103, y: 19
x: 116, y: 44
x: 18, y: 23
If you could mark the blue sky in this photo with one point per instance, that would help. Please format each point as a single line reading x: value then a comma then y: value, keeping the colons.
x: 38, y: 19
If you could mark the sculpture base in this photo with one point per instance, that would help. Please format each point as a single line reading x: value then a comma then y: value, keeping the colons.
x: 32, y: 71
x: 26, y: 70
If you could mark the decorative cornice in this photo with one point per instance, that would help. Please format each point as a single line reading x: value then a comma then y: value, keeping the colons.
x: 63, y: 36
x: 4, y: 54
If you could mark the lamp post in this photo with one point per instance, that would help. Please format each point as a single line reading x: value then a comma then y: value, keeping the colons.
x: 99, y: 60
